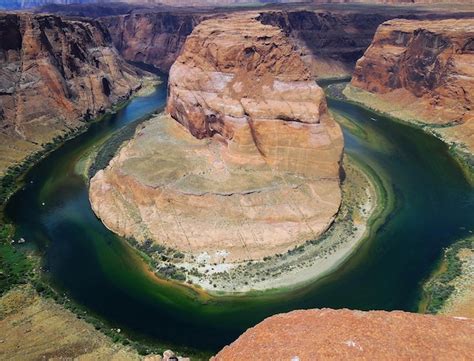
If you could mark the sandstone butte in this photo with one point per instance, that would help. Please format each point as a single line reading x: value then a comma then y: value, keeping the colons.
x: 250, y: 164
x: 327, y: 334
x: 422, y: 71
x: 53, y: 74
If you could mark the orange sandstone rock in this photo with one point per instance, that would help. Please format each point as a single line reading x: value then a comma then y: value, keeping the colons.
x: 422, y: 71
x: 252, y: 167
x: 354, y: 335
x: 53, y: 73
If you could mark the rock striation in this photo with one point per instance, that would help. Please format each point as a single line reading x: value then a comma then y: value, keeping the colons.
x: 345, y: 334
x: 422, y: 71
x: 153, y: 38
x: 250, y: 164
x: 53, y: 73
x: 330, y: 42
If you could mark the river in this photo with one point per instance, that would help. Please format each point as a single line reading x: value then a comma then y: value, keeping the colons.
x: 434, y: 207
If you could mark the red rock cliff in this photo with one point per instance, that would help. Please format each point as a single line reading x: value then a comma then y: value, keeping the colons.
x: 251, y: 169
x: 54, y: 72
x: 422, y: 71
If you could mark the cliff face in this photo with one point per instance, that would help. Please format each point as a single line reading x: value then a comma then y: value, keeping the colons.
x: 53, y: 72
x: 423, y: 71
x: 252, y: 167
x: 248, y: 76
x: 154, y: 38
x: 331, y: 43
x: 344, y: 334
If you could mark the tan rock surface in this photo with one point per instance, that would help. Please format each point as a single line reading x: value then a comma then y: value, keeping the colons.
x: 36, y: 328
x: 354, y: 335
x: 422, y: 71
x: 54, y: 72
x: 254, y: 170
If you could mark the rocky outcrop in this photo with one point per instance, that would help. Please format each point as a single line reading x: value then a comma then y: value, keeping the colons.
x: 153, y: 38
x: 348, y: 335
x: 330, y: 42
x: 53, y: 73
x: 422, y: 71
x: 252, y: 167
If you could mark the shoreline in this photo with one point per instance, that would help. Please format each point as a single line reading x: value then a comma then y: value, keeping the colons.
x: 464, y: 158
x: 298, y: 267
x: 441, y: 293
x: 12, y: 177
x: 448, y: 289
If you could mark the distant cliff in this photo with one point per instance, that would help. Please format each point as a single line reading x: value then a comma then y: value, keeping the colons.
x: 330, y: 42
x: 53, y: 73
x: 422, y: 71
x: 154, y: 38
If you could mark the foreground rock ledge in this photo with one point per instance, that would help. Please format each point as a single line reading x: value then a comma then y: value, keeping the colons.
x: 251, y: 166
x: 347, y: 335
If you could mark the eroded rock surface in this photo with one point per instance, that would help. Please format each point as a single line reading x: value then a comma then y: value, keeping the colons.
x: 347, y: 335
x: 53, y: 73
x: 153, y: 38
x: 422, y: 71
x: 252, y: 167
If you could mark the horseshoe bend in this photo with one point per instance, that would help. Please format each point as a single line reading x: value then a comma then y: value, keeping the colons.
x: 245, y: 162
x: 294, y: 181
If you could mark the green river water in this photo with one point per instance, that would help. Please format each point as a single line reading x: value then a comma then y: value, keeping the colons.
x: 434, y: 207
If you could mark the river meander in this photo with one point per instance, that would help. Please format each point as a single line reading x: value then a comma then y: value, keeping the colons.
x: 434, y: 207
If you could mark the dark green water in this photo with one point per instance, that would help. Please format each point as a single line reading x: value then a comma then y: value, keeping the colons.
x: 435, y: 206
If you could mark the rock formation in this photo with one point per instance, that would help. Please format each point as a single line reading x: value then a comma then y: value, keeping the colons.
x: 53, y: 73
x: 153, y: 38
x: 422, y: 71
x: 252, y: 167
x: 347, y: 335
x: 331, y: 42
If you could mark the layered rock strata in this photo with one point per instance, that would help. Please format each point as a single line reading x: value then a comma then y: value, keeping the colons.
x: 331, y: 42
x: 347, y: 335
x: 250, y: 168
x: 53, y: 73
x: 153, y: 38
x: 422, y: 71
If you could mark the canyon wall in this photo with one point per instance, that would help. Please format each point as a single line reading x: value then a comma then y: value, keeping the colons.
x: 347, y: 335
x: 53, y: 73
x: 249, y: 166
x: 153, y: 38
x: 330, y: 42
x: 422, y: 71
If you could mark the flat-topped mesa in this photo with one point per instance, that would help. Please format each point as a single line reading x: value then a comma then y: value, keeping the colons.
x: 251, y: 166
x: 422, y: 71
x: 244, y: 82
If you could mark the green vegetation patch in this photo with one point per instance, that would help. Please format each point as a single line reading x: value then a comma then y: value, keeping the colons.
x: 438, y: 288
x: 15, y: 267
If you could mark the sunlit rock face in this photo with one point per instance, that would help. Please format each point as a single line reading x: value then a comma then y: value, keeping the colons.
x: 53, y: 73
x: 353, y: 335
x: 423, y: 70
x: 243, y: 82
x: 247, y: 162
